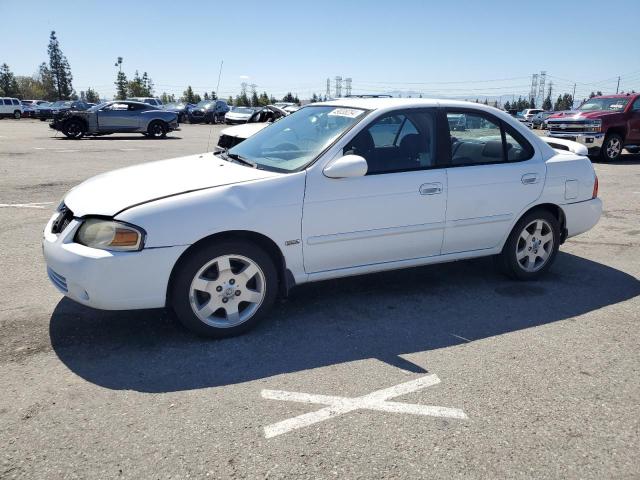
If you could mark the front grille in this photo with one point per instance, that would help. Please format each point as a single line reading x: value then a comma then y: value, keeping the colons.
x: 64, y: 218
x: 58, y: 280
x: 561, y: 127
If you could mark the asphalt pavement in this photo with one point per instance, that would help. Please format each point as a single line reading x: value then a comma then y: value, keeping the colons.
x: 448, y: 371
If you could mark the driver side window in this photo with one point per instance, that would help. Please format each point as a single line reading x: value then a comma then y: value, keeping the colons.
x: 397, y: 142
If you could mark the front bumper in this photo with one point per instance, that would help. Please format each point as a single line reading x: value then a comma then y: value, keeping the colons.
x: 593, y: 141
x: 107, y: 280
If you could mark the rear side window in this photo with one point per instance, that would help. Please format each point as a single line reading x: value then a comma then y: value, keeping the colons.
x: 16, y: 102
x: 7, y: 101
x: 478, y: 138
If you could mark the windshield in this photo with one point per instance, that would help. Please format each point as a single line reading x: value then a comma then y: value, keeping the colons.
x: 614, y: 104
x: 203, y: 103
x: 243, y: 110
x: 294, y: 141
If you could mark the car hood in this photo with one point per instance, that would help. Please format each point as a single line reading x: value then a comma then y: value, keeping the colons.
x: 580, y: 115
x: 245, y: 130
x: 112, y: 192
x: 239, y: 115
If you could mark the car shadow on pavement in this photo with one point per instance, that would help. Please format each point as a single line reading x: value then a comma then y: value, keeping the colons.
x: 375, y: 316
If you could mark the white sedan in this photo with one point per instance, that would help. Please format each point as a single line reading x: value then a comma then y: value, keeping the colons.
x: 339, y: 188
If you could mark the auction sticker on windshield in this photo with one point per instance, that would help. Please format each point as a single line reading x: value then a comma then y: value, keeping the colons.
x: 345, y: 112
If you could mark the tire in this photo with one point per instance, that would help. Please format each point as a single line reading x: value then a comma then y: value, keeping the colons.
x: 532, y: 246
x: 17, y: 114
x: 157, y: 129
x: 611, y: 148
x: 73, y: 129
x: 206, y: 300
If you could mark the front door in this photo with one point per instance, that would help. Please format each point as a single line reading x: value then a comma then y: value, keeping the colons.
x: 395, y: 212
x: 494, y: 174
x: 634, y: 123
x: 118, y: 117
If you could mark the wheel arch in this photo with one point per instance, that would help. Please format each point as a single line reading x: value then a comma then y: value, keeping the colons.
x: 618, y: 131
x: 82, y: 120
x: 554, y: 209
x: 285, y: 277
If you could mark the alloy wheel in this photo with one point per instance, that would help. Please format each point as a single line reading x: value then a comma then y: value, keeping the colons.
x: 534, y: 246
x: 227, y: 291
x: 614, y: 147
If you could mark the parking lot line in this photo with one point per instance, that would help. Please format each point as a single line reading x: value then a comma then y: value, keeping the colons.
x: 337, y: 405
x: 25, y: 205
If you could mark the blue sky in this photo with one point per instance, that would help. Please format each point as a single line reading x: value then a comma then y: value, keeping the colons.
x: 442, y: 49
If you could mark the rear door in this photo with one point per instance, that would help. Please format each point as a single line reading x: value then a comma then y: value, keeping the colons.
x: 494, y: 173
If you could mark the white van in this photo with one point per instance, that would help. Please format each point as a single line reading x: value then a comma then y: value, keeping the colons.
x: 10, y: 107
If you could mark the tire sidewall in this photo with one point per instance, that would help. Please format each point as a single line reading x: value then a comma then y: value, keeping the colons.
x: 508, y: 256
x: 65, y: 129
x: 191, y: 264
x: 152, y: 125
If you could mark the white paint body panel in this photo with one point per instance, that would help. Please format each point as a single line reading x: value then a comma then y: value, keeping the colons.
x: 244, y: 130
x: 325, y: 228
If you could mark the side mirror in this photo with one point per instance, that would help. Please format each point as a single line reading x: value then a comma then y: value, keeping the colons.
x: 346, y: 167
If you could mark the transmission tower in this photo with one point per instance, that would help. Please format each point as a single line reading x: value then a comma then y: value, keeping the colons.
x: 347, y: 82
x: 534, y: 87
x: 541, y: 82
x: 338, y: 86
x: 327, y: 95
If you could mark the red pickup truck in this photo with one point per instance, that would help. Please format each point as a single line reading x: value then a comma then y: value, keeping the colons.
x: 605, y: 125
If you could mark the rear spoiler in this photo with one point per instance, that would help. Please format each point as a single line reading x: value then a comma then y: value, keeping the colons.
x: 566, y: 145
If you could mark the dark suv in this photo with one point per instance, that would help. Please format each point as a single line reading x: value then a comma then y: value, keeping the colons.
x: 208, y: 111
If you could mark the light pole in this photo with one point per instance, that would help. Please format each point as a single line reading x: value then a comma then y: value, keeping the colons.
x: 119, y: 64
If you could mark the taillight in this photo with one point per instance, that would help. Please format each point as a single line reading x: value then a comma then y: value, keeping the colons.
x: 595, y: 188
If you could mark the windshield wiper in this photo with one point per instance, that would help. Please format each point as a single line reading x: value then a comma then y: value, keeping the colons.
x: 242, y: 160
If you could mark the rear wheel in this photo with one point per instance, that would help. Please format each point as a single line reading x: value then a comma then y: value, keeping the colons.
x: 73, y: 129
x: 531, y: 247
x: 611, y: 148
x: 224, y: 289
x: 157, y: 129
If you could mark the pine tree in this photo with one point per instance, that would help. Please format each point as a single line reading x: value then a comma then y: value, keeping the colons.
x: 314, y: 98
x: 121, y: 86
x: 206, y: 96
x: 136, y: 87
x: 197, y: 98
x: 507, y: 105
x: 60, y: 69
x: 92, y: 96
x: 46, y: 79
x: 147, y: 85
x: 255, y: 101
x: 230, y: 101
x: 8, y: 83
x: 188, y: 96
x: 546, y: 105
x: 213, y: 95
x: 532, y: 103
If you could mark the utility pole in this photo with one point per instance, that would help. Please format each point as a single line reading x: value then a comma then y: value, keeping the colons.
x: 618, y: 87
x: 574, y: 91
x: 119, y: 64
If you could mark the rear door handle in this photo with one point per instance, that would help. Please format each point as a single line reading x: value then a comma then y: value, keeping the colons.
x: 529, y: 178
x: 430, y: 188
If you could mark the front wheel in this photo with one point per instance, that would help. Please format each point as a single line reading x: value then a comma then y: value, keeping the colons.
x: 611, y: 148
x: 73, y: 129
x: 531, y: 247
x: 224, y: 289
x: 17, y: 114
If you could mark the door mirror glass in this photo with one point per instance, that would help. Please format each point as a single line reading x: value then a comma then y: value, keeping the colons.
x: 346, y: 167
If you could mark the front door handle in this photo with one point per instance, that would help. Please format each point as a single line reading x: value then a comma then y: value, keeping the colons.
x: 529, y: 178
x: 430, y: 188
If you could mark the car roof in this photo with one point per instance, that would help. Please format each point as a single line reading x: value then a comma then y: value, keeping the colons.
x: 395, y: 103
x: 617, y: 95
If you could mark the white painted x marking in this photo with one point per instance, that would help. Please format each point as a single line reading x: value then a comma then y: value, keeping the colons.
x: 336, y: 406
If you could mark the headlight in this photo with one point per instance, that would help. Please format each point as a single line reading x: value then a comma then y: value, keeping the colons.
x: 110, y: 235
x: 593, y: 126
